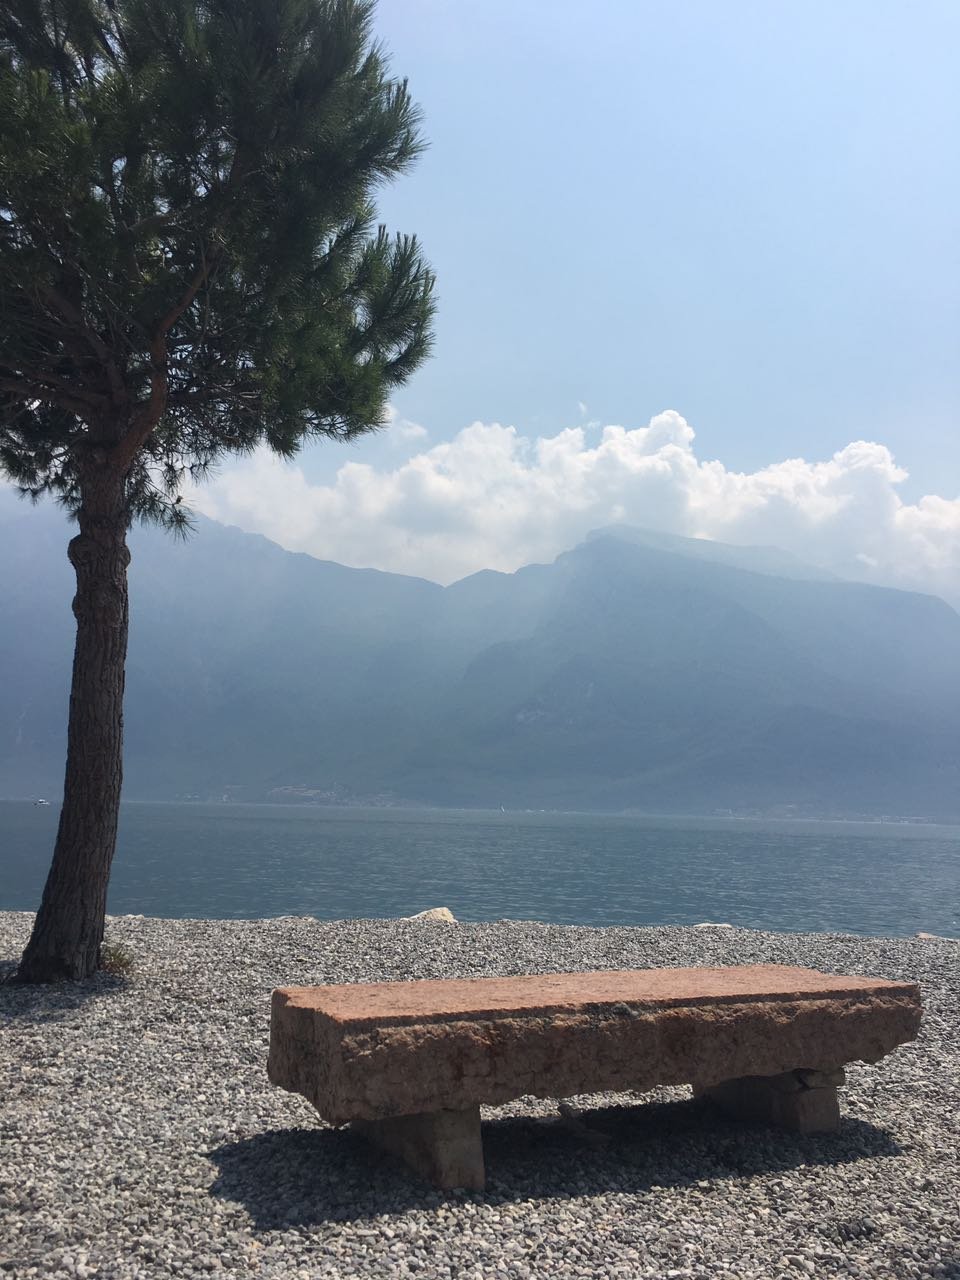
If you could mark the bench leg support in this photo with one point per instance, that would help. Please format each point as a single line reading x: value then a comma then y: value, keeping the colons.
x: 801, y: 1101
x: 444, y: 1147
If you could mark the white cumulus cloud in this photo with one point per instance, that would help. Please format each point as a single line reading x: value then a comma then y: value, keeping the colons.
x: 401, y: 430
x: 492, y: 498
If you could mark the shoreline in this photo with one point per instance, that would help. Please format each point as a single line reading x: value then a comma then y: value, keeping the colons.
x: 141, y: 1137
x: 118, y: 918
x: 897, y: 822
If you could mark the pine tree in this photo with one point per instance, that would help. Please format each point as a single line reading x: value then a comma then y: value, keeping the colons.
x: 189, y: 268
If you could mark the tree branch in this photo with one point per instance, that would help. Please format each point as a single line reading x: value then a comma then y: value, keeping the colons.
x: 60, y: 399
x: 156, y: 222
x: 203, y: 273
x: 43, y: 377
x: 152, y: 410
x: 67, y: 311
x: 101, y: 350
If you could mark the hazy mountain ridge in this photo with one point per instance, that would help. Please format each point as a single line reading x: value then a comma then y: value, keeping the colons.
x: 636, y: 671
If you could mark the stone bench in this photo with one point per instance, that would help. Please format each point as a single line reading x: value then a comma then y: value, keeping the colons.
x: 410, y: 1063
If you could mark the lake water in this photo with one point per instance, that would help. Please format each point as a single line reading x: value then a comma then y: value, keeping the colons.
x: 231, y: 861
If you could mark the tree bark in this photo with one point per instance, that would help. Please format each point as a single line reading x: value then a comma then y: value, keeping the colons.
x: 68, y: 931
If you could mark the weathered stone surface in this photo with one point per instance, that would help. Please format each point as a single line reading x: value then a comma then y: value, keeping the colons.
x: 445, y: 1147
x: 786, y: 1082
x: 763, y: 1099
x: 435, y: 913
x: 366, y: 1052
x: 822, y: 1079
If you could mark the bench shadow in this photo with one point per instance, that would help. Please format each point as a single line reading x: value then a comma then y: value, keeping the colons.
x: 290, y: 1178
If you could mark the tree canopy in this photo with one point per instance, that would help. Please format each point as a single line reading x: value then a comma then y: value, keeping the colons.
x: 188, y: 259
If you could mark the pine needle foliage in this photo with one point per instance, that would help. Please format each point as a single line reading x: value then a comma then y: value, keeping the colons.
x: 189, y: 260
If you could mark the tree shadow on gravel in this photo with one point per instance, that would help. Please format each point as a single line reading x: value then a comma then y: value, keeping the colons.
x: 292, y: 1178
x: 49, y: 1001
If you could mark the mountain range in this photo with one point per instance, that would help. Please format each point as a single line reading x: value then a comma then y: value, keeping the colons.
x: 638, y: 671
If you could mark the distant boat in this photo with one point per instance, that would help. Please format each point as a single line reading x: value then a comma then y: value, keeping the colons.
x: 46, y: 802
x: 502, y: 809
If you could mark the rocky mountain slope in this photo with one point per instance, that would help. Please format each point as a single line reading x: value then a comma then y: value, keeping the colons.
x: 636, y: 671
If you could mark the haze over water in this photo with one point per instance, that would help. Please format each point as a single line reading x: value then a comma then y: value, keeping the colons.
x: 249, y: 861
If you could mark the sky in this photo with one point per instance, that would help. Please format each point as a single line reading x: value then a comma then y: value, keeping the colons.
x: 745, y: 212
x: 698, y: 269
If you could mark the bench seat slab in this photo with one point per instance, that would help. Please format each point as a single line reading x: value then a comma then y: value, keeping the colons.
x: 376, y: 1051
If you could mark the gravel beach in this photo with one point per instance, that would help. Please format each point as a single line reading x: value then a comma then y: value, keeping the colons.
x: 140, y: 1137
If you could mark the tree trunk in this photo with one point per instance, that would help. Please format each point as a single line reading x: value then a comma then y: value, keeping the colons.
x: 68, y: 930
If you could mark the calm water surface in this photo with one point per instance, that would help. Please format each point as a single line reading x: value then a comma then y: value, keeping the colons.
x: 245, y: 861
